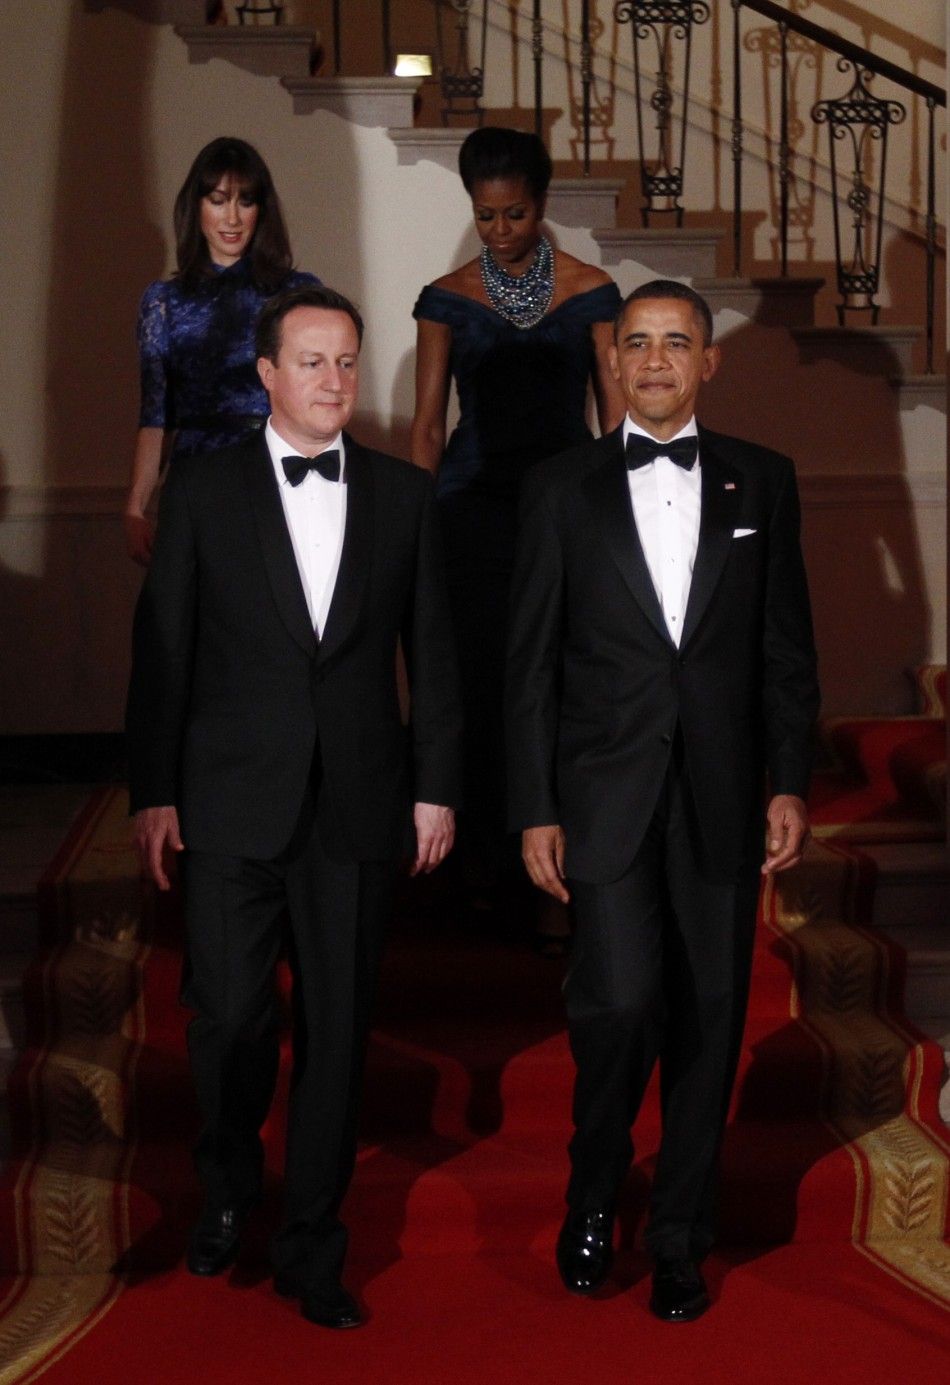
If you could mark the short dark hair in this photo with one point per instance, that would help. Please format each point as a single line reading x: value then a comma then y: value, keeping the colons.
x: 270, y: 320
x: 269, y: 250
x: 670, y: 288
x: 494, y: 151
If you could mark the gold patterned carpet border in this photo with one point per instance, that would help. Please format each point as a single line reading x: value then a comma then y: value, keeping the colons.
x: 879, y: 1079
x: 69, y: 1198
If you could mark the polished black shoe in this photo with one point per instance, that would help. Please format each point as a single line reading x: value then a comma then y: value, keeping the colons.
x: 331, y: 1307
x: 328, y: 1305
x: 215, y: 1240
x: 585, y: 1250
x: 679, y: 1291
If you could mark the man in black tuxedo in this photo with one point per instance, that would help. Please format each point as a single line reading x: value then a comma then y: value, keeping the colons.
x: 661, y: 663
x: 266, y: 744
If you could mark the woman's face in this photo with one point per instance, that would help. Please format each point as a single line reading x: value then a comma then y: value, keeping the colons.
x: 508, y: 220
x: 228, y: 220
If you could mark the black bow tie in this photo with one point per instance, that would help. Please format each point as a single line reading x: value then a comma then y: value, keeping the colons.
x: 296, y: 468
x: 642, y: 451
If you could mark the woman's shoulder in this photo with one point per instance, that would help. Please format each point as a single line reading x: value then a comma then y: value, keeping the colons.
x: 157, y: 293
x: 578, y: 276
x: 446, y: 297
x: 465, y: 281
x: 585, y: 289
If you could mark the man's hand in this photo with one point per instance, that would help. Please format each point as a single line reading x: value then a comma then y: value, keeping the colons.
x: 787, y: 826
x: 157, y: 837
x: 542, y: 850
x: 435, y: 833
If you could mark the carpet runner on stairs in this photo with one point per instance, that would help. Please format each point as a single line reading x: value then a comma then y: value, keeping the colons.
x: 833, y: 1257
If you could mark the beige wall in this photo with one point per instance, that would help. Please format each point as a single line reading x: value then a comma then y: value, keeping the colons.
x: 100, y: 115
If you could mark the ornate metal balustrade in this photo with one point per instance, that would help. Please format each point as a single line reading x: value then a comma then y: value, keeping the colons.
x: 659, y: 28
x: 794, y: 54
x: 462, y: 83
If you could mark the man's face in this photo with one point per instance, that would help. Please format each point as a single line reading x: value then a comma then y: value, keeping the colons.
x: 313, y: 383
x: 660, y: 362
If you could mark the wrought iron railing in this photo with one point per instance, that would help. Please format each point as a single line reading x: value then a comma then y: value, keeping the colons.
x: 860, y: 121
x: 663, y: 35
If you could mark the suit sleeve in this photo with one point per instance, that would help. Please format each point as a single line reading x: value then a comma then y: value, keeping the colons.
x: 534, y: 641
x: 162, y: 654
x: 435, y: 721
x: 790, y: 697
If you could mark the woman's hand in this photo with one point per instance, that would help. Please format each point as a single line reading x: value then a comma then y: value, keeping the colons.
x: 139, y: 537
x: 433, y: 377
x: 146, y: 468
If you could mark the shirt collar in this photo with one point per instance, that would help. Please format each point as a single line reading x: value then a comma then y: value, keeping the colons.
x: 279, y: 448
x: 629, y: 427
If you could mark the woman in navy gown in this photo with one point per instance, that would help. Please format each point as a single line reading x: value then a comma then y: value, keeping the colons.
x: 523, y: 330
x: 196, y: 330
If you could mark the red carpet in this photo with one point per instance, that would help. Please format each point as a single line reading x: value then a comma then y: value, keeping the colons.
x: 833, y: 1263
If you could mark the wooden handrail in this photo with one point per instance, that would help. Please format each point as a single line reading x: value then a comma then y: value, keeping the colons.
x: 852, y: 51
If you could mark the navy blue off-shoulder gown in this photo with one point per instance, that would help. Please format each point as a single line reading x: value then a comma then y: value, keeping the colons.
x: 522, y: 397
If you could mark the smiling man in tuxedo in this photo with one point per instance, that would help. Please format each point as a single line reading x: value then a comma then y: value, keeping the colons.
x: 661, y: 667
x: 266, y: 745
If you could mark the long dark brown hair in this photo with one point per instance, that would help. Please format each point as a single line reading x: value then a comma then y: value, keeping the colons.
x: 269, y: 250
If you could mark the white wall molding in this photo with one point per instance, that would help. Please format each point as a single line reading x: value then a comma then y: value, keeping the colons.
x: 61, y: 502
x: 867, y: 490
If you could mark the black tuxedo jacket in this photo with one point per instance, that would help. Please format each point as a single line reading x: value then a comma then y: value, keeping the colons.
x: 232, y: 693
x: 596, y: 686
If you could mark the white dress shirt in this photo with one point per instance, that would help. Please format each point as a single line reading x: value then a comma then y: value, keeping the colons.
x: 315, y: 512
x: 666, y: 508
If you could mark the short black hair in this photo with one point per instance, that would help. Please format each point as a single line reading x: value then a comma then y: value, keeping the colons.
x: 268, y: 333
x: 494, y: 151
x: 670, y: 288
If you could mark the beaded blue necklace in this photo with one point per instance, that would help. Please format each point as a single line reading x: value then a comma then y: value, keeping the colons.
x: 522, y: 299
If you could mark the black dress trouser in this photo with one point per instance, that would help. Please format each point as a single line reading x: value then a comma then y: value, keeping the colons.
x: 659, y: 969
x: 237, y: 913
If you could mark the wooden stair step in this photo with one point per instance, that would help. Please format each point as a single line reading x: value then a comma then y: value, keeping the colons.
x: 279, y: 50
x: 157, y: 11
x: 676, y: 252
x: 770, y: 302
x: 368, y: 101
x: 886, y: 351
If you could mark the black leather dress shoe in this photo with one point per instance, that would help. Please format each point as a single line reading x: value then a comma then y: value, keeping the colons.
x: 327, y: 1305
x: 331, y: 1307
x: 585, y: 1250
x: 679, y: 1291
x: 215, y: 1240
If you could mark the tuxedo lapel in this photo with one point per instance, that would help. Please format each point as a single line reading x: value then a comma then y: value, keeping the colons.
x: 356, y: 557
x: 721, y: 499
x: 608, y: 494
x: 276, y: 548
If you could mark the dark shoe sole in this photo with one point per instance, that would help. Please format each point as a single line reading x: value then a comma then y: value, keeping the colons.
x: 288, y: 1289
x: 580, y: 1292
x: 344, y: 1325
x: 687, y: 1313
x: 585, y: 1290
x: 208, y: 1270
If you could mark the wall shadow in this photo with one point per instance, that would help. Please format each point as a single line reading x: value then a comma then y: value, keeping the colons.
x: 837, y: 418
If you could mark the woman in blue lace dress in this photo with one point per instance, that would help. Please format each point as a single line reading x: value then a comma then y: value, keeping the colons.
x: 523, y: 330
x: 200, y: 389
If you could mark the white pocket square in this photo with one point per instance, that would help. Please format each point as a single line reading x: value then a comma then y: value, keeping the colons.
x: 743, y: 533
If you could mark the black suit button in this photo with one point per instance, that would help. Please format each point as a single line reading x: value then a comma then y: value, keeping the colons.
x: 667, y: 740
